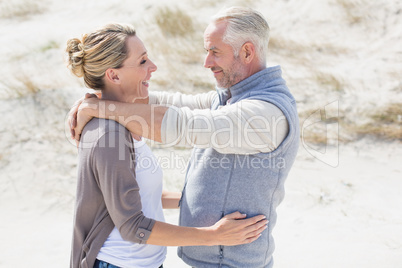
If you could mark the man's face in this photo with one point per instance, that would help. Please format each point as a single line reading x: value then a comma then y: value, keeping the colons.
x: 228, y: 70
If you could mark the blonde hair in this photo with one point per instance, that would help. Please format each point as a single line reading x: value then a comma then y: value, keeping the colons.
x: 245, y: 25
x: 94, y: 53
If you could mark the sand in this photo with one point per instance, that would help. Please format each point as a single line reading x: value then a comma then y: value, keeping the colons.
x: 343, y: 201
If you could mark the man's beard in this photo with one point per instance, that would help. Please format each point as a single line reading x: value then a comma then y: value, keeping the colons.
x: 231, y: 76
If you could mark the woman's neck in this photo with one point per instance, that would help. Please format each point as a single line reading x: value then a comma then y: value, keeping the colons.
x: 112, y: 96
x: 107, y: 95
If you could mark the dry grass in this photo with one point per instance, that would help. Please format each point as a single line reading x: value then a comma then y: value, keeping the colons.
x: 184, y: 50
x: 50, y: 45
x: 21, y: 8
x: 392, y: 114
x: 386, y: 123
x: 295, y: 49
x: 317, y: 129
x: 174, y: 22
x: 203, y: 84
x: 398, y: 88
x: 355, y: 10
x: 21, y: 86
x: 179, y: 51
x: 27, y: 71
x: 178, y: 58
x: 329, y: 80
x: 388, y: 132
x: 286, y: 47
x: 315, y: 138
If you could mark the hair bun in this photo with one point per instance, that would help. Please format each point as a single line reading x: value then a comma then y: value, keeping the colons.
x: 90, y: 56
x: 76, y: 56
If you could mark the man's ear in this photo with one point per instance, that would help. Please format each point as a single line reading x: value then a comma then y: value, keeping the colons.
x: 112, y: 76
x: 248, y: 52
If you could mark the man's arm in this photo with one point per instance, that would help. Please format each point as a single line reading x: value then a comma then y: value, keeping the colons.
x: 178, y: 99
x: 170, y: 199
x: 246, y: 127
x: 140, y: 119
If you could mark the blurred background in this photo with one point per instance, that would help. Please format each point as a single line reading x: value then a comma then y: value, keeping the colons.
x: 342, y: 60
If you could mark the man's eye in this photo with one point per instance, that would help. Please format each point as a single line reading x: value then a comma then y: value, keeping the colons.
x: 212, y: 51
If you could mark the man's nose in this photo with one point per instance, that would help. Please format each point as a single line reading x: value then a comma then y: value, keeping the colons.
x: 208, y: 62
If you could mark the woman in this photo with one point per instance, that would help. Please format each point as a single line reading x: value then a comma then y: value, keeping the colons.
x: 118, y: 216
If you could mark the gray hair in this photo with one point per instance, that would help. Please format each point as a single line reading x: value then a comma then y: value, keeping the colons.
x: 245, y: 25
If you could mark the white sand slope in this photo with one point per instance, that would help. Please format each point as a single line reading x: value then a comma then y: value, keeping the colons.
x: 342, y: 207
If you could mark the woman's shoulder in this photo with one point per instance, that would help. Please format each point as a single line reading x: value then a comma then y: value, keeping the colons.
x: 98, y: 128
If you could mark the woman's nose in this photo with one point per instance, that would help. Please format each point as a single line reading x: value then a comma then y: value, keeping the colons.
x: 153, y: 67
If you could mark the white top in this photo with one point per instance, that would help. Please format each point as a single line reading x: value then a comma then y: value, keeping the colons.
x: 244, y: 127
x: 122, y: 253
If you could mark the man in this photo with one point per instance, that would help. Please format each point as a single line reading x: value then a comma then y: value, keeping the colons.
x: 245, y: 136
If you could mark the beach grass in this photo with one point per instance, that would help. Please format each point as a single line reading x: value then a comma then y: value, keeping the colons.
x: 329, y: 80
x: 22, y: 85
x: 174, y: 21
x: 385, y: 123
x: 21, y: 8
x: 354, y: 10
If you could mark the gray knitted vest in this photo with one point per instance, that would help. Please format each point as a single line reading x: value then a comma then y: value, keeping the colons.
x: 218, y: 184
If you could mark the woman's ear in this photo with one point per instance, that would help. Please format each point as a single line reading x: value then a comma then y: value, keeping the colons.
x: 112, y: 76
x: 248, y: 51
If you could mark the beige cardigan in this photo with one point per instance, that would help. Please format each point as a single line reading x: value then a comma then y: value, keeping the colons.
x: 107, y: 192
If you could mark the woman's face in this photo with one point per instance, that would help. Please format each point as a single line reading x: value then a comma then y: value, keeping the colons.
x: 136, y: 71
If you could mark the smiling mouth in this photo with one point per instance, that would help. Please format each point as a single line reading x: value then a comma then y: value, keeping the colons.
x: 146, y: 83
x: 217, y: 72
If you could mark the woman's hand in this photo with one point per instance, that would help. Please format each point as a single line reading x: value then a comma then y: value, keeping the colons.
x: 233, y: 229
x: 78, y: 116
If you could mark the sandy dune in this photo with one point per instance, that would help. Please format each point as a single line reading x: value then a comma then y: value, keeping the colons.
x: 343, y: 202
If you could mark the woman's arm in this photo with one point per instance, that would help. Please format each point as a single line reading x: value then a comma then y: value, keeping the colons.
x: 112, y: 161
x: 170, y: 199
x: 229, y: 231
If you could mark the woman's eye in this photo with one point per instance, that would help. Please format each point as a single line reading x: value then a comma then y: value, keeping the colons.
x: 143, y: 61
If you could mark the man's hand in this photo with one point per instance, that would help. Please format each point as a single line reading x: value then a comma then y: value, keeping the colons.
x: 76, y: 123
x: 233, y: 229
